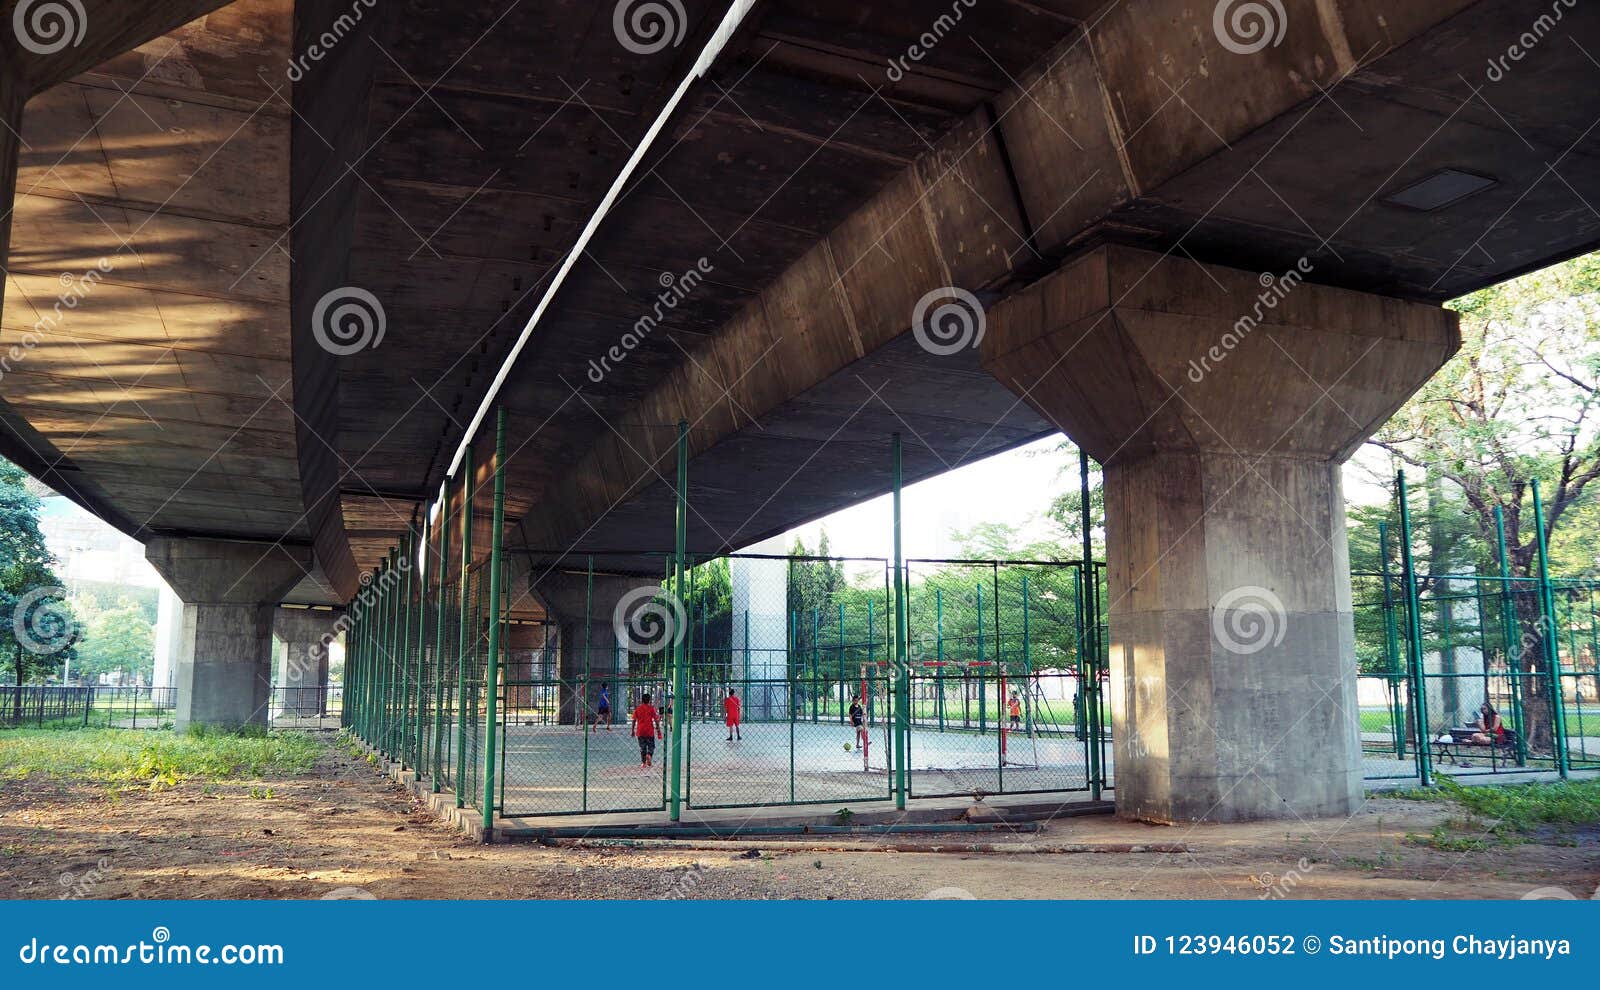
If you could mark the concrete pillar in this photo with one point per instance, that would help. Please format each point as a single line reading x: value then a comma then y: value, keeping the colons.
x: 761, y: 631
x: 301, y: 685
x: 230, y: 592
x: 169, y: 619
x: 584, y: 618
x: 1222, y: 404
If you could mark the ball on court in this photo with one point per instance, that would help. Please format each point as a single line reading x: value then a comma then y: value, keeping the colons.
x: 847, y: 747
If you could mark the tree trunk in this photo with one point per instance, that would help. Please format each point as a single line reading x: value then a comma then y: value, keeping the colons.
x: 1530, y: 656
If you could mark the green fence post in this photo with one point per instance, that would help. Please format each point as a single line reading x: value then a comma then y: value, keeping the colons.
x: 380, y: 622
x: 464, y: 612
x: 443, y: 568
x: 397, y: 653
x: 356, y: 665
x: 355, y: 672
x: 352, y: 630
x: 504, y: 608
x: 408, y: 546
x: 816, y: 658
x: 396, y: 614
x: 983, y: 690
x: 491, y: 677
x: 419, y: 732
x: 580, y: 708
x: 1027, y: 662
x: 354, y: 678
x: 844, y: 706
x: 1551, y: 636
x: 390, y: 613
x: 938, y: 625
x: 1577, y: 682
x: 1391, y: 647
x: 1089, y: 643
x: 372, y: 618
x: 1510, y: 635
x: 791, y: 742
x: 872, y: 658
x: 901, y: 658
x: 1419, y: 705
x: 680, y: 670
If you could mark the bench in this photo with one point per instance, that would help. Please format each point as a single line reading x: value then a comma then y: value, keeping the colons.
x: 1456, y: 742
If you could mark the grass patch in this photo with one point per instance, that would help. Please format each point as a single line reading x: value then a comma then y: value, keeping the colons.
x: 159, y: 759
x: 1505, y: 815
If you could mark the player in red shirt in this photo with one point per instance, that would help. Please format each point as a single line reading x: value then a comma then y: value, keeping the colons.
x: 730, y: 708
x: 645, y: 720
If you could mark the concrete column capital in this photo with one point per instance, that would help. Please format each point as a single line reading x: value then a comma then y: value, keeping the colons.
x: 228, y: 572
x: 1132, y: 352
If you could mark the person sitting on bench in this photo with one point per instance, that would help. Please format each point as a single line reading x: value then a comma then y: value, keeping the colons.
x: 1491, y: 730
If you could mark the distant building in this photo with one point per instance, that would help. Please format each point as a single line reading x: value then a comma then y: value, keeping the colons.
x: 87, y: 549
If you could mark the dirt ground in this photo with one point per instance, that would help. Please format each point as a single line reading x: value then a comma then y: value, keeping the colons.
x: 346, y: 832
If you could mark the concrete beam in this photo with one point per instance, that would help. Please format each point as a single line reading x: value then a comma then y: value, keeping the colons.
x: 55, y: 42
x: 1222, y: 411
x: 1145, y: 93
x: 303, y: 678
x: 231, y: 592
x: 165, y: 231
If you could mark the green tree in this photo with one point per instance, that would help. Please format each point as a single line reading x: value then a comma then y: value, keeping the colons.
x: 37, y: 626
x: 119, y: 639
x: 1518, y: 403
x: 1066, y: 510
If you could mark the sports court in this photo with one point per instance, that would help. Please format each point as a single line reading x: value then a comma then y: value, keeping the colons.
x: 550, y: 769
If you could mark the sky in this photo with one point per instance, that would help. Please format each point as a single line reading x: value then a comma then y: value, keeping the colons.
x: 1015, y: 487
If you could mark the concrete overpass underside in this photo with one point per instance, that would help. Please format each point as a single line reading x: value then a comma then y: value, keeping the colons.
x: 1110, y: 181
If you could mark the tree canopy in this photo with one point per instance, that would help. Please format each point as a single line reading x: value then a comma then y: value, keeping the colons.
x: 37, y: 627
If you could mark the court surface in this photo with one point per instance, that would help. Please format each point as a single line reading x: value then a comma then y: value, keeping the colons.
x: 552, y: 769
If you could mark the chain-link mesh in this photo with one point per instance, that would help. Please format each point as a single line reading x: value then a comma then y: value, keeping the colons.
x: 1578, y: 612
x: 1464, y: 687
x: 996, y: 668
x: 780, y: 650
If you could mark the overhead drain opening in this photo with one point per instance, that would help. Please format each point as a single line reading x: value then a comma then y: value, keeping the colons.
x: 1446, y: 187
